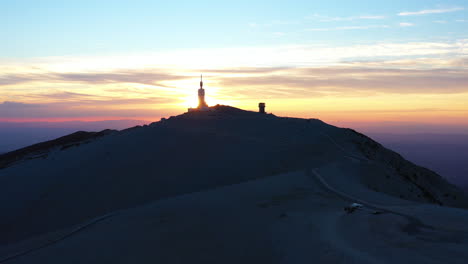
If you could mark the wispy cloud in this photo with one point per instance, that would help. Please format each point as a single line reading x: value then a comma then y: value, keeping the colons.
x: 323, y: 18
x: 16, y: 78
x: 406, y: 24
x: 431, y: 11
x: 148, y: 77
x: 371, y: 17
x: 348, y: 28
x: 300, y: 82
x: 412, y: 63
x: 143, y: 70
x: 440, y: 21
x: 72, y: 110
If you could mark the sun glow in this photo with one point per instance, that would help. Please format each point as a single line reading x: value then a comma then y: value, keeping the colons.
x: 191, y: 101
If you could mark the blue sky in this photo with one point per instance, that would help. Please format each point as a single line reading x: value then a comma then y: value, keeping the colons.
x: 58, y: 28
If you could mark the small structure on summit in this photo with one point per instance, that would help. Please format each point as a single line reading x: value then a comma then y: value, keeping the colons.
x: 202, y: 105
x: 261, y: 108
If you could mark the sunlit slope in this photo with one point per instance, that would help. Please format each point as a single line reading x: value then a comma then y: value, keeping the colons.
x: 194, y: 152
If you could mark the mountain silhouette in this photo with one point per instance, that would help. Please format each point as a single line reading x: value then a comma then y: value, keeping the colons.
x: 215, y: 177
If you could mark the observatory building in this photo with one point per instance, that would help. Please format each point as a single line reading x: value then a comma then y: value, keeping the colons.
x: 201, y: 95
x: 202, y: 106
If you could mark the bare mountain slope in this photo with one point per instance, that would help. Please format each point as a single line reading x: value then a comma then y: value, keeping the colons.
x: 194, y: 152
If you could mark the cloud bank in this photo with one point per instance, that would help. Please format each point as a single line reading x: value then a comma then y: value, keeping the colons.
x: 422, y: 77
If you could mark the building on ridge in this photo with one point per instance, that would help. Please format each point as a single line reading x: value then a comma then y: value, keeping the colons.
x: 261, y: 108
x: 202, y: 105
x: 201, y: 95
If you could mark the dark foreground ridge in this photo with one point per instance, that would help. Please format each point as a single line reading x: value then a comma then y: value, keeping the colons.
x: 73, y: 182
x: 40, y: 150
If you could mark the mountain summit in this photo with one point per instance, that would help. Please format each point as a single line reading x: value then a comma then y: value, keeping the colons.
x: 225, y: 186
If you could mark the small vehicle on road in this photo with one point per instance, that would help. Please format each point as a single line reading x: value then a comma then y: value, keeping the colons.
x: 353, y: 207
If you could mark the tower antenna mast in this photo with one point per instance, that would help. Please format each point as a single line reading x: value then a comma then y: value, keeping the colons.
x: 201, y: 80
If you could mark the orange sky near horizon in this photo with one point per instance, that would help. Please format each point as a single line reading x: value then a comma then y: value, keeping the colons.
x: 433, y: 109
x: 423, y: 89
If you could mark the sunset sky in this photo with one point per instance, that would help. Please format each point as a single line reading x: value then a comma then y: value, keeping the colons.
x: 350, y: 63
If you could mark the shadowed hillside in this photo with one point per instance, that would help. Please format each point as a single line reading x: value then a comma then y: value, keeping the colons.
x: 41, y: 150
x: 188, y: 153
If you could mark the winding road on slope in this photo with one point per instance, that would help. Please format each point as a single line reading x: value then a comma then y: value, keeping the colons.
x: 414, y: 224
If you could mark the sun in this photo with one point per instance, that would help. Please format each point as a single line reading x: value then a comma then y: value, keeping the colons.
x: 191, y: 101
